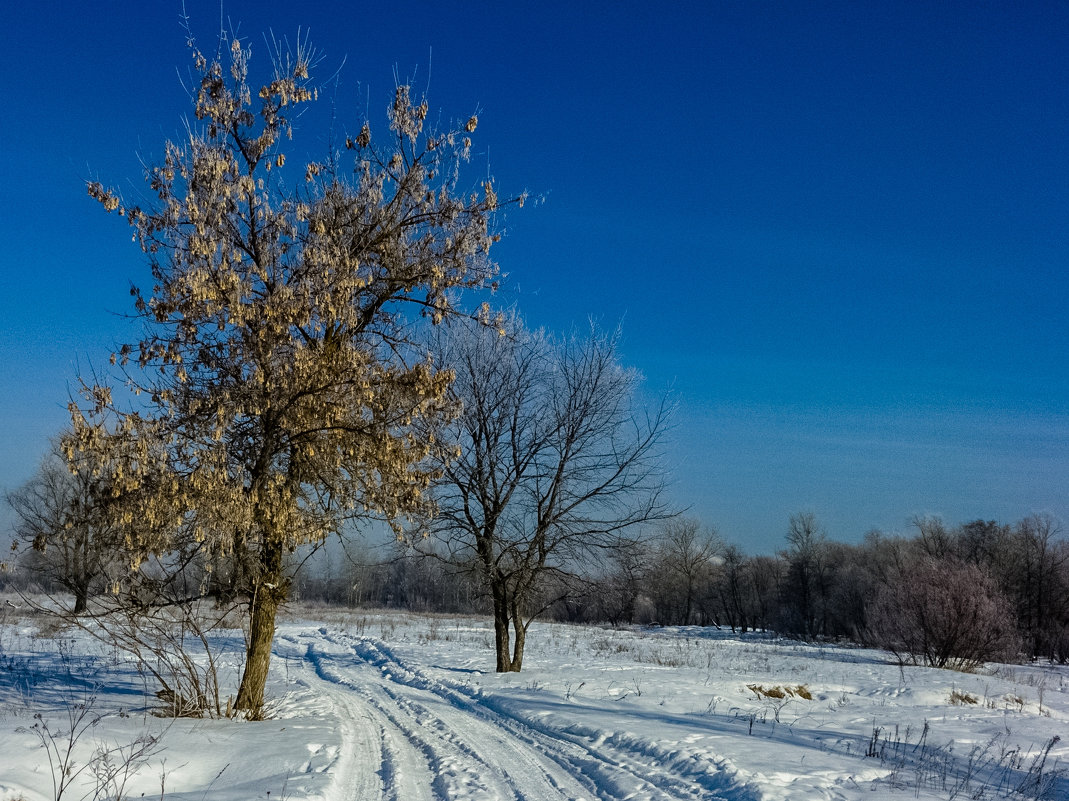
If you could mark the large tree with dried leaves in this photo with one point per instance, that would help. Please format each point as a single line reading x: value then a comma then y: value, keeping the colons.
x: 276, y: 384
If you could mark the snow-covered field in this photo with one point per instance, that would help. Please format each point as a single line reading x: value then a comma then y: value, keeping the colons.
x: 395, y: 706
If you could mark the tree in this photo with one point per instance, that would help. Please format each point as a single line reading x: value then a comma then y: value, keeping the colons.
x: 551, y: 462
x: 731, y: 590
x: 850, y: 586
x: 764, y: 578
x: 682, y: 576
x: 617, y: 590
x: 933, y: 537
x: 984, y: 543
x: 806, y: 584
x: 63, y: 527
x: 1039, y: 585
x: 276, y: 385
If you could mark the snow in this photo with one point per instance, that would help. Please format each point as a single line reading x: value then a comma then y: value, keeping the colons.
x: 397, y: 706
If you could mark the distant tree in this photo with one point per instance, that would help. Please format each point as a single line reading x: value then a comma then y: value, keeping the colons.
x: 1038, y: 582
x: 806, y: 585
x: 860, y: 571
x: 1027, y: 562
x: 731, y: 590
x: 684, y: 561
x: 63, y: 529
x: 885, y: 555
x: 277, y: 384
x: 551, y: 463
x: 987, y: 544
x: 934, y: 538
x: 764, y: 577
x: 616, y: 592
x: 850, y: 588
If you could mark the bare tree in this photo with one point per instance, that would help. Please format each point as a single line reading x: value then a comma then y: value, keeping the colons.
x: 764, y: 577
x: 276, y: 383
x: 618, y: 588
x: 933, y: 537
x: 682, y: 575
x: 63, y: 528
x: 552, y: 461
x: 806, y: 586
x: 732, y: 591
x: 1039, y: 585
x: 986, y: 543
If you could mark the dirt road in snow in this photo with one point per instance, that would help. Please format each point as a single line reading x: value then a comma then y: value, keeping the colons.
x: 409, y: 737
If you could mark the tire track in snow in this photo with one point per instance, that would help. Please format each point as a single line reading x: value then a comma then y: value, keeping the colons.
x: 380, y: 765
x: 475, y: 746
x: 424, y: 718
x: 619, y: 766
x: 359, y: 740
x: 425, y: 755
x: 448, y: 776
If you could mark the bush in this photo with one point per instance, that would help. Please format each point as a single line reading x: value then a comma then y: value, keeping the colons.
x: 945, y: 614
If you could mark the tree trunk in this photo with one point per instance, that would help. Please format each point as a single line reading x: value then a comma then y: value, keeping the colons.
x: 262, y: 610
x: 79, y: 579
x: 269, y: 593
x: 501, y: 630
x: 81, y: 598
x: 521, y: 637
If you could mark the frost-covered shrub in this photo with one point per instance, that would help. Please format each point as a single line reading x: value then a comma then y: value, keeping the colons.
x: 946, y: 614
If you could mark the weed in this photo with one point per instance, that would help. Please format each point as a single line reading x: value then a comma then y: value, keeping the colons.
x: 989, y: 771
x: 387, y: 628
x: 59, y: 744
x: 605, y: 646
x: 111, y: 766
x: 635, y: 689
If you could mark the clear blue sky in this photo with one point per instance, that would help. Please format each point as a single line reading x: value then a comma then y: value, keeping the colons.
x: 838, y: 231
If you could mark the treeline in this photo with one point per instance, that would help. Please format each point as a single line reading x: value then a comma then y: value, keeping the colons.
x: 948, y: 596
x: 951, y: 596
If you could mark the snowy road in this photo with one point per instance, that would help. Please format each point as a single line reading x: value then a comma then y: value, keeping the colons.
x: 383, y: 706
x: 434, y: 740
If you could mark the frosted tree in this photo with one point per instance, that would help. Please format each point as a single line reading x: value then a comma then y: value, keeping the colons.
x: 944, y: 613
x: 274, y: 392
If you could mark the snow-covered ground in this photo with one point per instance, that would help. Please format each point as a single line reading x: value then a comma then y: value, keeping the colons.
x: 395, y: 706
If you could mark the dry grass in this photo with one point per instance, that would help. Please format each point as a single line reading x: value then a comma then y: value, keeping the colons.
x: 781, y: 691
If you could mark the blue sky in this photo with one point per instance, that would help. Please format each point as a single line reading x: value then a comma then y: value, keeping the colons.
x: 838, y: 231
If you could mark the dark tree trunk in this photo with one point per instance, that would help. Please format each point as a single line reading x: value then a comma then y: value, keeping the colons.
x: 262, y: 611
x: 501, y: 629
x: 81, y: 598
x: 80, y: 572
